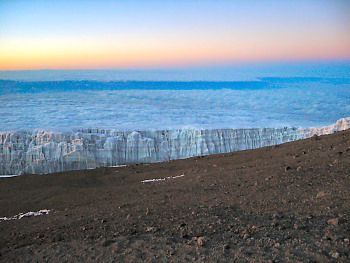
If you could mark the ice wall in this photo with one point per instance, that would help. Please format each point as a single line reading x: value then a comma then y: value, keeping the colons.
x: 42, y: 152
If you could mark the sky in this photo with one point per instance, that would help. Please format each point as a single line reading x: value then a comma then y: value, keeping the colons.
x: 169, y: 34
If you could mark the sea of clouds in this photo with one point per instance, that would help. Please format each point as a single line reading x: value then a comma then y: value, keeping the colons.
x: 297, y: 104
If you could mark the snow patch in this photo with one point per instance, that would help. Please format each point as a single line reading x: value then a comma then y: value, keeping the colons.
x: 162, y: 179
x: 28, y: 214
x: 8, y: 176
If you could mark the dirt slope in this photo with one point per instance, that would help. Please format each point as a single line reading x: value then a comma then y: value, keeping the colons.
x: 275, y: 204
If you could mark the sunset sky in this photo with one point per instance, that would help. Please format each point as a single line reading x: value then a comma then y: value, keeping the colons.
x: 166, y: 34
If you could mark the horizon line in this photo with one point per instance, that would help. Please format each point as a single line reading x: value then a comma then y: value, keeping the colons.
x: 206, y: 66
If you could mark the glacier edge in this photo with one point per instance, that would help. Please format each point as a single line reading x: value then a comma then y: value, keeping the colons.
x: 41, y: 152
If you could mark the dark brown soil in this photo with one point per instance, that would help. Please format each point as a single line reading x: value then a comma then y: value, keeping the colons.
x: 275, y: 204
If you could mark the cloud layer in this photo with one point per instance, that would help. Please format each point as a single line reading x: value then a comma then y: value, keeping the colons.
x: 299, y: 103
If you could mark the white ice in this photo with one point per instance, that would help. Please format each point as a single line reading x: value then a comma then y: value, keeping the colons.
x: 161, y: 179
x: 28, y: 214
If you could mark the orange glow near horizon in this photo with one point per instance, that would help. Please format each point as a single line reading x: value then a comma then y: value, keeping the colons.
x: 130, y: 35
x: 114, y: 56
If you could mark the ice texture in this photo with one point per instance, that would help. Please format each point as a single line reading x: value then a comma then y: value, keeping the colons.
x: 42, y: 152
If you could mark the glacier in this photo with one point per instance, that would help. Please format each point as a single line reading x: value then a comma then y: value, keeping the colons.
x: 42, y: 152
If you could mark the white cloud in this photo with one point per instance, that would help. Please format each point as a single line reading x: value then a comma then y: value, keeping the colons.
x: 293, y: 104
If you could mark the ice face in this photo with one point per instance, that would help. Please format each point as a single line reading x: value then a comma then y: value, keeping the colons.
x: 47, y: 152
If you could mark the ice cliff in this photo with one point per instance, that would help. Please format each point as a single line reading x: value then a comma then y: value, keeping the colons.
x: 40, y: 152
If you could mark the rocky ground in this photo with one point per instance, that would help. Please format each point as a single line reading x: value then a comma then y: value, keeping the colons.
x: 275, y: 204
